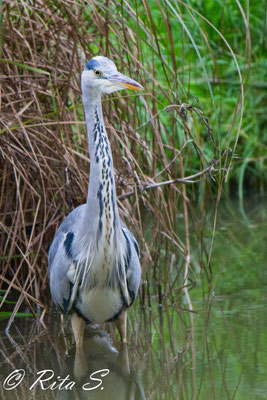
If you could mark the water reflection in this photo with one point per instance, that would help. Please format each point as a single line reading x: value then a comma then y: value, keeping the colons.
x: 102, y: 371
x: 45, y: 372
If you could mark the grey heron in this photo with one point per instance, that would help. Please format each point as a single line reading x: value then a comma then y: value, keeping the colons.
x: 93, y: 261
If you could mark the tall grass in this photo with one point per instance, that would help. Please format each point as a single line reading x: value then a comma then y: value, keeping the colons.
x: 183, y: 130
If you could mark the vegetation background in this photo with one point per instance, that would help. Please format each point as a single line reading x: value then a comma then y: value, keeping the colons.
x: 199, y: 126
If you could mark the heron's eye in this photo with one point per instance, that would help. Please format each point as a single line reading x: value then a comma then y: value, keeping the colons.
x: 98, y: 73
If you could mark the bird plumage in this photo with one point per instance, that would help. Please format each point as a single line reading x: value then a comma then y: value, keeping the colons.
x: 93, y: 261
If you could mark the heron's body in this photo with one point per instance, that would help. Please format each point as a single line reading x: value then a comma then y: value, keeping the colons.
x: 93, y: 261
x: 100, y: 280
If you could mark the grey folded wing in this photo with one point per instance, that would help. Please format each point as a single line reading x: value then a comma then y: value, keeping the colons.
x: 133, y: 268
x: 59, y: 263
x: 60, y: 260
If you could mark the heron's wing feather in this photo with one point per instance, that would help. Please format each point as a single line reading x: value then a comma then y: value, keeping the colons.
x: 60, y: 285
x: 61, y: 262
x: 133, y: 269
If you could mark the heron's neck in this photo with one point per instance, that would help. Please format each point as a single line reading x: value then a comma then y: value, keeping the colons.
x: 101, y: 208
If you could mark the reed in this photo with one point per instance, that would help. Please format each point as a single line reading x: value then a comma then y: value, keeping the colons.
x: 168, y: 148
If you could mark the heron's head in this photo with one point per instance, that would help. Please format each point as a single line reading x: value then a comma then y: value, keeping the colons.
x: 100, y: 74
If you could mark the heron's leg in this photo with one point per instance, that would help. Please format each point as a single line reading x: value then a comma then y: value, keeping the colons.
x: 123, y: 358
x: 121, y: 324
x: 80, y: 365
x: 78, y: 326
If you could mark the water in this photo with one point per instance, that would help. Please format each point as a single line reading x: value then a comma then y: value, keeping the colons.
x: 219, y: 353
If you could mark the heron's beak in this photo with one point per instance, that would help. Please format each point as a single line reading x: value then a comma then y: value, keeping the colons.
x: 125, y: 81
